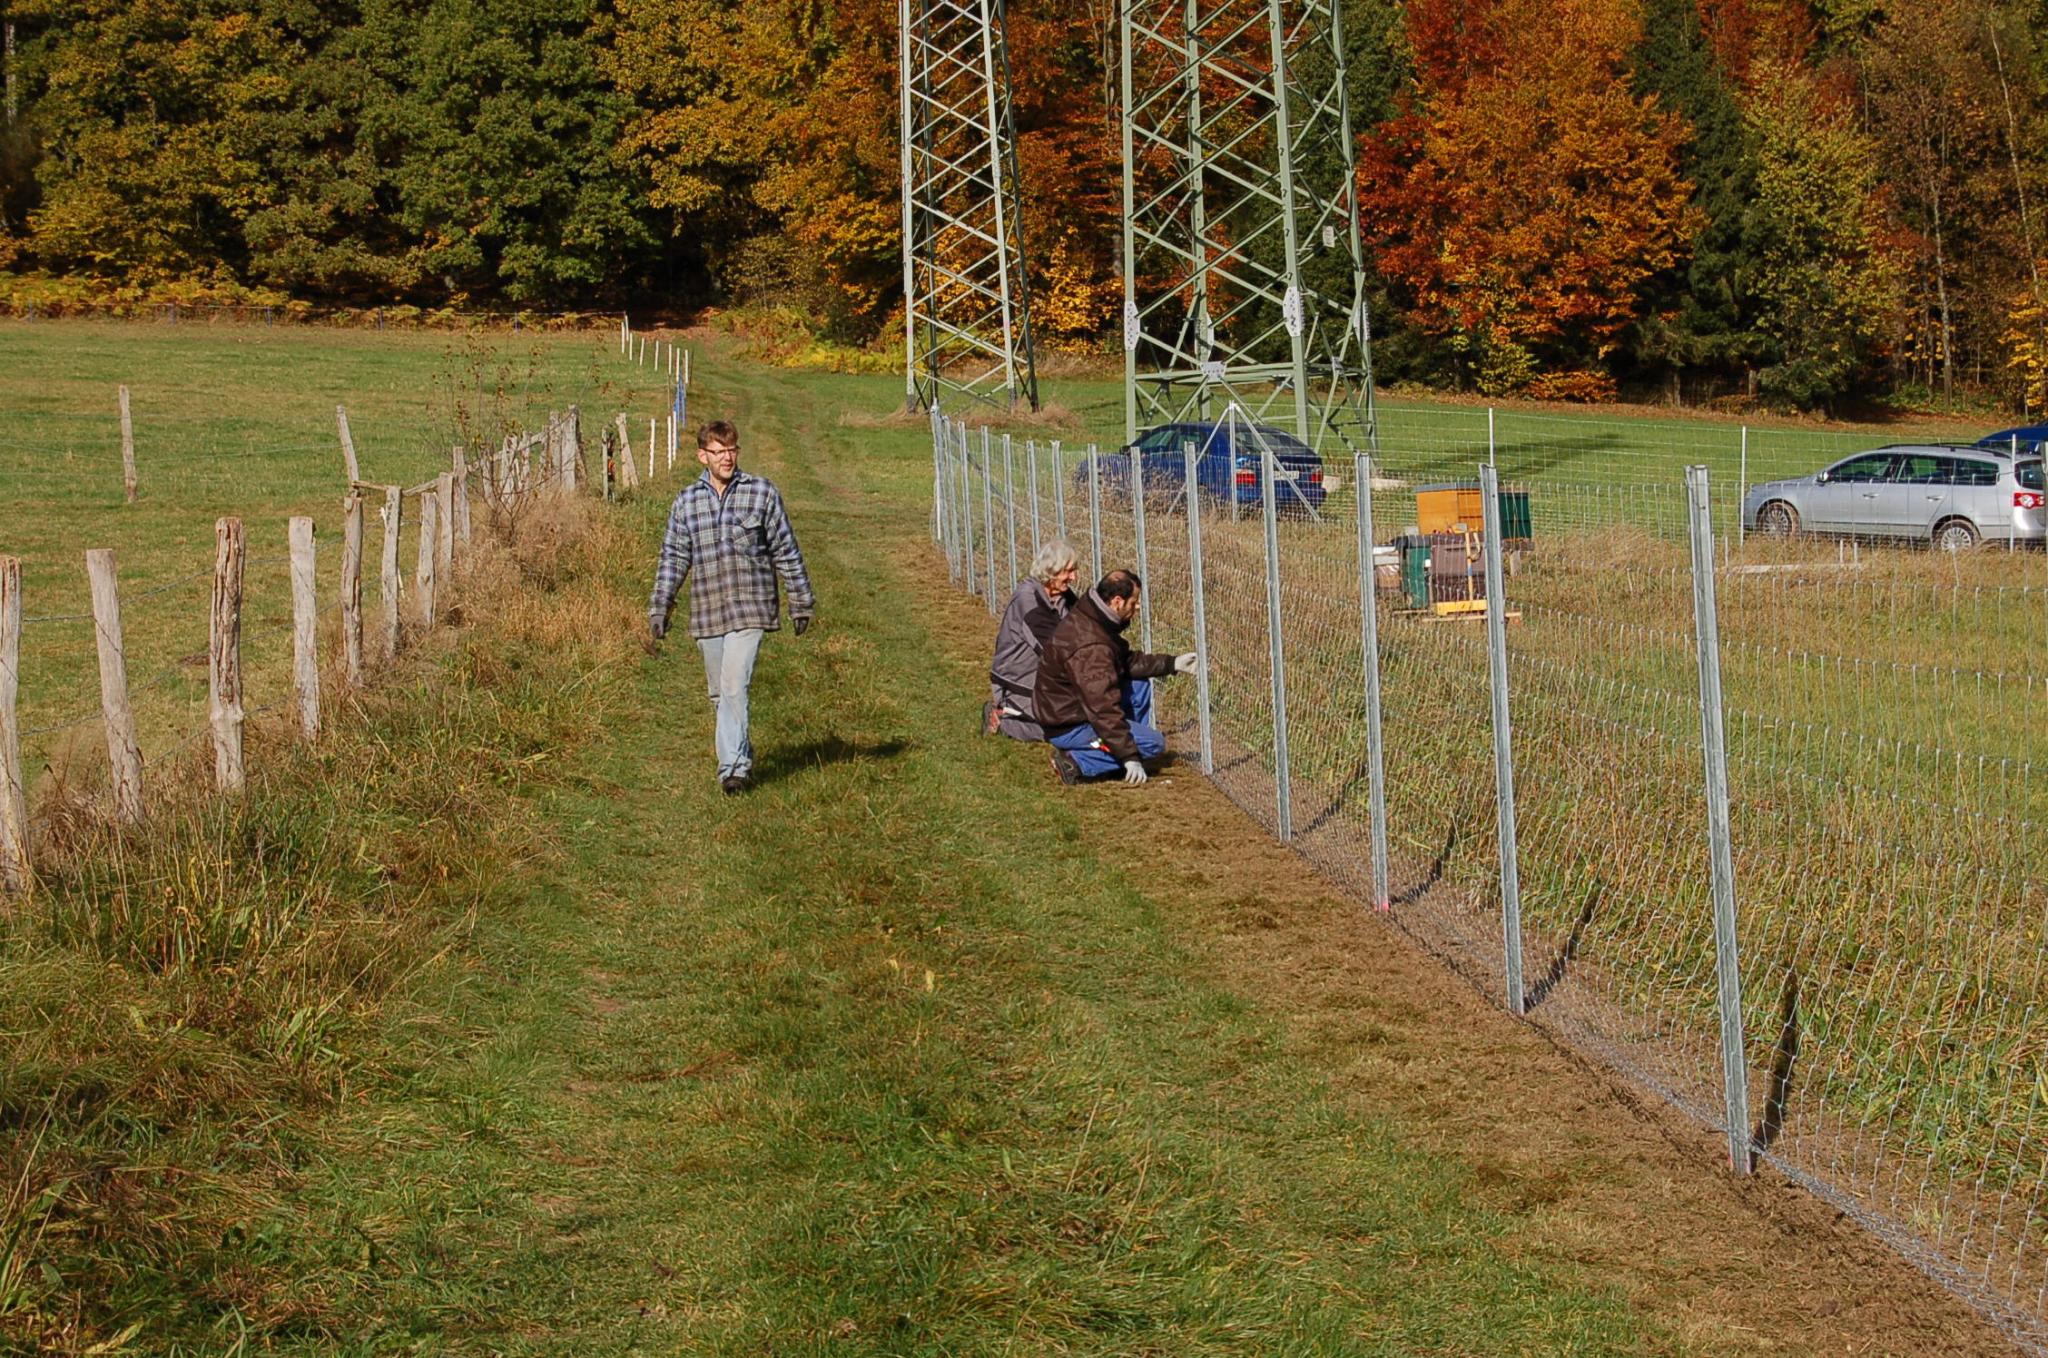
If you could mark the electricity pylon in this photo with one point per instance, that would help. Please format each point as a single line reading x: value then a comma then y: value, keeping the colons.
x: 967, y: 303
x: 1244, y: 273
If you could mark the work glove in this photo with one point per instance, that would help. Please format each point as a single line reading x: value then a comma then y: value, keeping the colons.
x: 1184, y: 663
x: 801, y: 625
x: 1134, y: 773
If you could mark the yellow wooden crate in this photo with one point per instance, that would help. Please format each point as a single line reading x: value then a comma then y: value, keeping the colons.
x: 1449, y: 509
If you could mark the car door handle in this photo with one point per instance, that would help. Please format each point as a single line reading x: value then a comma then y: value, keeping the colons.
x: 1937, y: 498
x: 1870, y: 495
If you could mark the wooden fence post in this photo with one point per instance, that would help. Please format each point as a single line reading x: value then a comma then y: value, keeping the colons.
x: 352, y: 589
x: 122, y: 755
x: 423, y: 568
x: 224, y: 653
x: 461, y: 493
x: 348, y: 446
x: 13, y: 793
x: 487, y: 471
x: 128, y: 479
x: 444, y: 537
x: 572, y: 450
x: 629, y: 474
x: 305, y: 617
x: 389, y: 581
x: 653, y: 428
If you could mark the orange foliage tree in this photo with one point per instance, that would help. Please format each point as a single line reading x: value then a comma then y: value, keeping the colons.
x: 1522, y: 194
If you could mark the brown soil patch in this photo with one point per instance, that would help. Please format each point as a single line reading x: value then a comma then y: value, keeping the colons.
x: 1605, y: 1182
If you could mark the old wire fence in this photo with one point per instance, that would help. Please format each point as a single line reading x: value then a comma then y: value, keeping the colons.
x: 264, y: 607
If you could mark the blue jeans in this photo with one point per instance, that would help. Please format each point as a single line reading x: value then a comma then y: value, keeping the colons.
x: 1086, y: 747
x: 728, y: 670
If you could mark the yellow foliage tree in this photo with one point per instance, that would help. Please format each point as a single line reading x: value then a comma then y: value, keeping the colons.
x: 2026, y: 339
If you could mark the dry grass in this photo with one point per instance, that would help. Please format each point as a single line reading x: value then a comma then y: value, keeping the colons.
x: 183, y: 998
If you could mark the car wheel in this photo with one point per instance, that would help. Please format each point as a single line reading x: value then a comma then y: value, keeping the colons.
x: 1778, y: 519
x: 1955, y: 535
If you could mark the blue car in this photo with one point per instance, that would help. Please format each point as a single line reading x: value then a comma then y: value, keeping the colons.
x: 2031, y: 438
x: 1225, y: 472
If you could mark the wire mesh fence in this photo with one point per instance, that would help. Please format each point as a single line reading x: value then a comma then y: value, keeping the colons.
x: 1757, y: 821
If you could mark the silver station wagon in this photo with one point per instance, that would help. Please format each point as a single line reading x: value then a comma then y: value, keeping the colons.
x: 1950, y: 495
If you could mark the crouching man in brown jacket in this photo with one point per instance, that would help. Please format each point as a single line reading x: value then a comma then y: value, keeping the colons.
x: 1094, y: 695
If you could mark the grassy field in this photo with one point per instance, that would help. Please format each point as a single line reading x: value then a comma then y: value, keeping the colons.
x: 234, y: 421
x: 488, y: 1026
x: 842, y: 1072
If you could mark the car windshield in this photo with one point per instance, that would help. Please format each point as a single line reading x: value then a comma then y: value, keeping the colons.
x: 2029, y: 474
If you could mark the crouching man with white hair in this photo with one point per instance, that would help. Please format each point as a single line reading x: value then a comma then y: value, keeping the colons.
x: 1041, y: 599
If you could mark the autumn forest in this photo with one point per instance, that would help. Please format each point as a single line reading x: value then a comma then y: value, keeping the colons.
x: 1804, y: 202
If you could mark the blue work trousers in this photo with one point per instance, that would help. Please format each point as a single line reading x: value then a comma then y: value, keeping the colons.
x: 1087, y: 748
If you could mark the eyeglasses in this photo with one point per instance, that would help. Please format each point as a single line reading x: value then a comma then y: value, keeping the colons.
x: 715, y: 449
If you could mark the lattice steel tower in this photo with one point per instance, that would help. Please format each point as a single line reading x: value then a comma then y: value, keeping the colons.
x: 1244, y: 274
x: 967, y: 303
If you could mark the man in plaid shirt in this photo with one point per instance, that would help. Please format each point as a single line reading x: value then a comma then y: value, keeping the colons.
x: 730, y: 528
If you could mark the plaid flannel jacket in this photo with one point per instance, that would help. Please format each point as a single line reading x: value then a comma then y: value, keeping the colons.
x: 737, y: 544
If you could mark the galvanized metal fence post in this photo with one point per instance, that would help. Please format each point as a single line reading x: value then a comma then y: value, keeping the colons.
x: 1713, y: 746
x: 1369, y: 644
x: 1138, y: 538
x: 955, y: 522
x: 1010, y: 511
x: 1031, y: 466
x: 1503, y: 741
x: 1201, y: 611
x: 988, y: 518
x: 939, y: 534
x: 1742, y: 486
x: 1094, y: 513
x: 1059, y: 490
x: 954, y: 514
x: 966, y: 494
x: 1276, y: 648
x: 939, y: 499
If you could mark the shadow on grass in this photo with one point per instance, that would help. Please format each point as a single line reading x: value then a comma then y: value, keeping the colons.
x: 815, y: 754
x: 1570, y: 952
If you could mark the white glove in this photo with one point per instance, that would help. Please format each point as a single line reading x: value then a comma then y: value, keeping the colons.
x: 1134, y: 773
x: 1184, y: 663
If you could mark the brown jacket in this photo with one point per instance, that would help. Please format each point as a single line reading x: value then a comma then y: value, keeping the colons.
x: 1083, y: 671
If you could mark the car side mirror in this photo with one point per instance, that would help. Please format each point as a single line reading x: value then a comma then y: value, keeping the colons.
x: 1820, y: 479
